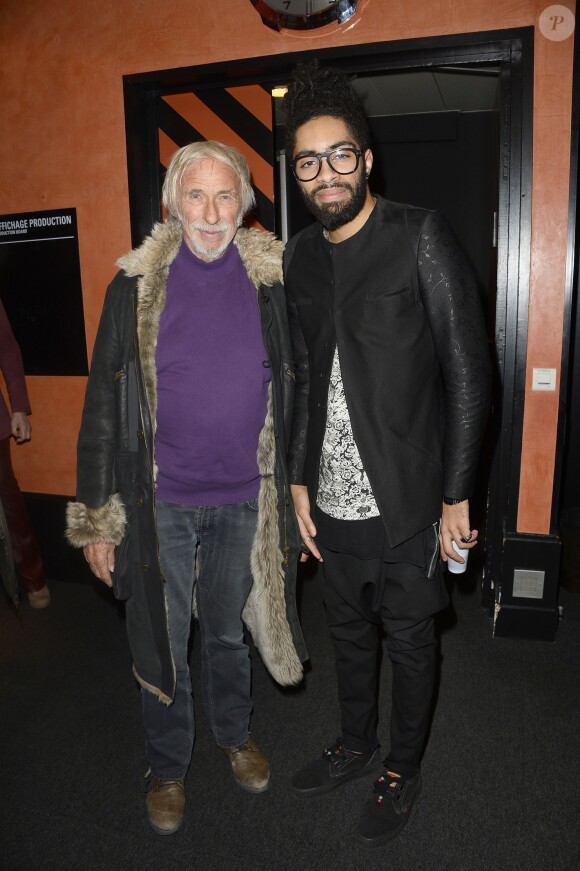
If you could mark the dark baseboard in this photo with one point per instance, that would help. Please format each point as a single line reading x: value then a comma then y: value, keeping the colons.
x: 526, y: 602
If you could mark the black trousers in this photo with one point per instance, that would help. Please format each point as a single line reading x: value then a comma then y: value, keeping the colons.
x: 361, y: 596
x: 22, y: 538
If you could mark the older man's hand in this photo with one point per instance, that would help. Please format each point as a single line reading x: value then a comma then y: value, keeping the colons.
x: 101, y: 559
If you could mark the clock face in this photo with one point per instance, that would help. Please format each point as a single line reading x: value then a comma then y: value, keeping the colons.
x: 304, y: 14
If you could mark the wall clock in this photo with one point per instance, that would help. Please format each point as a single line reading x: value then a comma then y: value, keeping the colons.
x: 304, y: 14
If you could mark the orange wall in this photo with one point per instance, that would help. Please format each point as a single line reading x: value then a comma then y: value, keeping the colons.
x: 63, y: 145
x: 552, y: 95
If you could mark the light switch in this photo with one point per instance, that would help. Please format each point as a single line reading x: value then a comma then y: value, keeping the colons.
x: 543, y: 379
x: 528, y: 584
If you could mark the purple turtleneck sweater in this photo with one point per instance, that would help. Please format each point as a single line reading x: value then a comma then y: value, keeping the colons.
x: 212, y: 385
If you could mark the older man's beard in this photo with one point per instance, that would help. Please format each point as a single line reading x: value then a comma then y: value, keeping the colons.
x: 335, y: 215
x: 209, y: 253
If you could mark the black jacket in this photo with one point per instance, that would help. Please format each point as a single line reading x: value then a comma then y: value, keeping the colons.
x: 401, y: 303
x: 116, y: 472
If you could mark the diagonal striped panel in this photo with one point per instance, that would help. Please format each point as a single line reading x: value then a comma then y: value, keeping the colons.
x: 212, y: 126
x: 257, y: 101
x: 250, y: 130
x: 240, y: 117
x: 167, y: 147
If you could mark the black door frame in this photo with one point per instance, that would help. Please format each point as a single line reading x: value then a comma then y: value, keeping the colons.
x: 512, y: 50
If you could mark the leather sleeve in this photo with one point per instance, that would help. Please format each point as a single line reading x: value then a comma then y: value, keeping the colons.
x: 12, y: 367
x: 450, y: 296
x: 97, y: 438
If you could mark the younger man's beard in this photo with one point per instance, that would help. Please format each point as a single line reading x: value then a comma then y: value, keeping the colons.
x: 335, y: 215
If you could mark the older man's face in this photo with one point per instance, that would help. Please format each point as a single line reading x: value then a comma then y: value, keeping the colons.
x: 210, y: 207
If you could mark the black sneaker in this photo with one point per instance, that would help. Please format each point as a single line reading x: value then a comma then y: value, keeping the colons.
x: 335, y: 766
x: 388, y: 810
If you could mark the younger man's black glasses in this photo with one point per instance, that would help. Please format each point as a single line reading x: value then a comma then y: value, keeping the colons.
x: 342, y: 160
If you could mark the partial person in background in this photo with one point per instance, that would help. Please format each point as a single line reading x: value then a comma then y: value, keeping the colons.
x: 24, y: 545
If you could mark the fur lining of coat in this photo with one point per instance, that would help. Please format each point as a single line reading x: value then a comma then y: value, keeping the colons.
x: 265, y: 611
x: 86, y: 525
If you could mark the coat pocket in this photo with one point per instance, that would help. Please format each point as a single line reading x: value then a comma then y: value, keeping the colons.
x: 396, y: 300
x: 431, y: 544
x: 127, y: 407
x: 122, y: 575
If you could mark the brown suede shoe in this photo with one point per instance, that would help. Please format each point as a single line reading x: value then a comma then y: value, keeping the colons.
x: 250, y: 766
x: 39, y: 598
x: 165, y: 805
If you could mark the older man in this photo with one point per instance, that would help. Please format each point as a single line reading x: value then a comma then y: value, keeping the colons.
x: 182, y: 492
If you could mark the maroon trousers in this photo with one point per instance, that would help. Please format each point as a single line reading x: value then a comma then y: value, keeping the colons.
x: 24, y: 545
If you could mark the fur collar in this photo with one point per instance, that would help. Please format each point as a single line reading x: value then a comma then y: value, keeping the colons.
x: 261, y: 254
x: 260, y: 251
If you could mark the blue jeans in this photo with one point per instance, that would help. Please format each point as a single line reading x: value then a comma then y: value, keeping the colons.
x: 206, y: 548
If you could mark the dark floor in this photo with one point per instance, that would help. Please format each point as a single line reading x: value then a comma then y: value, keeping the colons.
x: 501, y: 773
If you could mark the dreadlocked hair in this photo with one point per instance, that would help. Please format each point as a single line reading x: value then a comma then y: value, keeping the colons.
x: 315, y: 92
